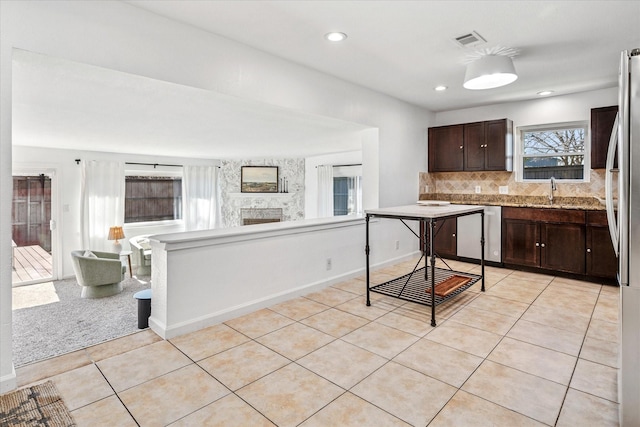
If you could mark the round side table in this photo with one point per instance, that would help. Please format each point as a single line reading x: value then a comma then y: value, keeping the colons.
x: 128, y: 255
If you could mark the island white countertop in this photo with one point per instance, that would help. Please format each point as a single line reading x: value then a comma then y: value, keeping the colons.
x: 425, y: 211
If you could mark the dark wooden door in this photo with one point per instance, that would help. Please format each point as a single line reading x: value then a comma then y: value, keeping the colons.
x: 474, y: 149
x: 495, y: 145
x: 601, y: 258
x: 562, y: 247
x: 520, y: 242
x: 446, y: 148
x: 31, y: 211
x: 602, y: 120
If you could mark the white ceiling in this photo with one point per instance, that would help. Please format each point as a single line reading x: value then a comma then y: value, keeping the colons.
x: 400, y: 48
x: 405, y: 48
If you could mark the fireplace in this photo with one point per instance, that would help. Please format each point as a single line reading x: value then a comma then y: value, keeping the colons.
x: 250, y: 216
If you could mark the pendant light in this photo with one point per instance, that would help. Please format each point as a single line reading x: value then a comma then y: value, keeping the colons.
x: 490, y: 68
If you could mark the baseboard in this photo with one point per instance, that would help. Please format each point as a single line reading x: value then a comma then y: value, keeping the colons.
x: 8, y: 382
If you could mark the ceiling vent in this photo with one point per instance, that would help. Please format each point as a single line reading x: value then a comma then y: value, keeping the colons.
x: 471, y: 39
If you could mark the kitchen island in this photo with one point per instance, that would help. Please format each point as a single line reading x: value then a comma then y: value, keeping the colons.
x: 428, y: 285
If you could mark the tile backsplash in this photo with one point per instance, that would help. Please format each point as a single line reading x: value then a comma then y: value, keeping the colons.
x: 489, y: 182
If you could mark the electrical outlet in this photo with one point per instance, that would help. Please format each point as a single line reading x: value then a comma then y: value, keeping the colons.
x: 478, y: 189
x: 328, y: 263
x: 397, y: 244
x: 503, y: 189
x: 426, y: 189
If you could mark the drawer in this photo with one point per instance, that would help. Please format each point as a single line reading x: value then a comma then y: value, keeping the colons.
x: 597, y: 218
x: 570, y: 216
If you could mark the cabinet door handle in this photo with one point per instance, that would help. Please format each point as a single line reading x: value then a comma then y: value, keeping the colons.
x: 461, y: 147
x: 454, y: 235
x: 537, y: 244
x: 588, y: 250
x: 542, y: 245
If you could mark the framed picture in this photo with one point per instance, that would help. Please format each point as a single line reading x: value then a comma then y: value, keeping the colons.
x: 259, y: 179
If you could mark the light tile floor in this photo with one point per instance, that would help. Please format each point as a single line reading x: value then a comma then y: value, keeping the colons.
x: 532, y: 350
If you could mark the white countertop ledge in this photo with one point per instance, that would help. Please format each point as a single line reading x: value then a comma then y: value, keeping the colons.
x: 218, y: 236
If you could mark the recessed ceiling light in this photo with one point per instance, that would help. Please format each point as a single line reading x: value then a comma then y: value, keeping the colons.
x: 335, y: 37
x: 440, y: 88
x: 545, y: 92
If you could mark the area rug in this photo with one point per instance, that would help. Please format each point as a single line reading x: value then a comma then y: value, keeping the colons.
x: 62, y: 321
x: 39, y: 405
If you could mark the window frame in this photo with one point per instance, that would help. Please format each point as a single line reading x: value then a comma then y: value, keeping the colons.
x: 519, y: 152
x: 354, y: 172
x: 135, y: 170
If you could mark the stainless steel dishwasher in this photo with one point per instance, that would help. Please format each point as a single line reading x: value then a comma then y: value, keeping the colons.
x: 468, y: 235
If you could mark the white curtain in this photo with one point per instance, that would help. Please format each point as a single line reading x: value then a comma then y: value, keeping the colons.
x: 201, y: 198
x: 102, y: 202
x: 325, y: 191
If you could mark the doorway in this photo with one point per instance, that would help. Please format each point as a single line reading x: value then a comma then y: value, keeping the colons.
x: 31, y: 224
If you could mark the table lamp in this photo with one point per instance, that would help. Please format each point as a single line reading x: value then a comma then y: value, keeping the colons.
x: 116, y: 233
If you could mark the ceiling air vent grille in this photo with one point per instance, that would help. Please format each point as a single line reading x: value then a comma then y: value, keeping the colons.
x: 471, y: 39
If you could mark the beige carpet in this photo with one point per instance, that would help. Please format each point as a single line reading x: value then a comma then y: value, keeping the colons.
x: 39, y: 405
x: 51, y: 319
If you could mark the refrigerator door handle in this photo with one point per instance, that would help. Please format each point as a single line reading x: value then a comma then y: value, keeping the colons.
x: 624, y: 174
x: 608, y: 184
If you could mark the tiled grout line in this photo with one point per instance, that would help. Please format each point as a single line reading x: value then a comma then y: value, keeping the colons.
x: 389, y: 310
x: 564, y: 399
x: 444, y: 321
x: 318, y: 374
x: 577, y: 357
x: 486, y: 358
x: 115, y: 393
x: 223, y: 384
x: 291, y: 362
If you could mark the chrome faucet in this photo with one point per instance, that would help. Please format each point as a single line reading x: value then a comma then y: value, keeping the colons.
x: 552, y: 187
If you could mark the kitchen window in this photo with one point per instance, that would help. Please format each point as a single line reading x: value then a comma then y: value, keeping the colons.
x: 555, y: 150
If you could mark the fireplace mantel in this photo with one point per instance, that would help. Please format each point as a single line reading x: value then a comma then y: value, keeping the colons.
x: 260, y: 195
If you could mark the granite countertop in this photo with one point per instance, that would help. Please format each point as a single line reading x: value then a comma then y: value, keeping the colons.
x: 582, y: 203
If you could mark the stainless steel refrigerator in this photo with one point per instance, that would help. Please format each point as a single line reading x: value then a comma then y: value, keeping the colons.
x: 624, y: 224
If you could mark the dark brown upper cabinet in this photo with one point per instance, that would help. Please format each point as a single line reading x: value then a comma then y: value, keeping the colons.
x: 446, y: 152
x: 479, y: 146
x: 602, y: 120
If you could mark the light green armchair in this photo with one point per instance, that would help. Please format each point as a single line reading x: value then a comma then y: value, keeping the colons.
x: 141, y: 254
x: 99, y: 273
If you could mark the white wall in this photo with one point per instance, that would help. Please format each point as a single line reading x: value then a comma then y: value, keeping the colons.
x: 553, y: 109
x: 119, y: 36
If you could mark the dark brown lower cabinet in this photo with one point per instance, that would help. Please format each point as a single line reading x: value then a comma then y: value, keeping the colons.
x: 601, y: 257
x: 519, y: 238
x: 445, y: 244
x: 550, y: 239
x: 562, y: 247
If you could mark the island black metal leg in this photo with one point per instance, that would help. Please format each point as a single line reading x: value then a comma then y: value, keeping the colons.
x: 366, y: 251
x: 482, y: 249
x: 432, y: 226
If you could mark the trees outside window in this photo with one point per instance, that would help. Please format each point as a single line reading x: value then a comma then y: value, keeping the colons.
x: 554, y: 151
